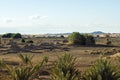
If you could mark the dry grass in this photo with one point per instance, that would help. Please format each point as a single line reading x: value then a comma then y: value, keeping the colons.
x: 84, y: 58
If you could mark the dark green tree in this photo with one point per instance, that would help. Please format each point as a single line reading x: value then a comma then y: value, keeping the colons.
x: 7, y: 35
x: 12, y: 35
x: 17, y: 35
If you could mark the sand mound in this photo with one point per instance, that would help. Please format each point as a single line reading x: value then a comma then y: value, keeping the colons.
x: 115, y: 55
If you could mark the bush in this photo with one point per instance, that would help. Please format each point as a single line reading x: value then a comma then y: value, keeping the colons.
x: 29, y: 72
x: 17, y: 35
x: 102, y: 70
x: 89, y: 39
x: 82, y: 39
x: 76, y: 38
x: 12, y: 35
x: 108, y: 42
x: 26, y: 59
x: 62, y: 36
x: 64, y: 69
x: 7, y: 35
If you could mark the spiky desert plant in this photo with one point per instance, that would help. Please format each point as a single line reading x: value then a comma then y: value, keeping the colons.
x: 26, y: 58
x: 45, y: 58
x: 22, y: 73
x: 102, y: 70
x: 64, y: 68
x: 2, y: 63
x: 25, y: 72
x: 2, y: 68
x: 118, y: 58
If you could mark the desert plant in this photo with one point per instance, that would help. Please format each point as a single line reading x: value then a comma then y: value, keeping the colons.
x: 23, y: 40
x: 25, y: 72
x: 76, y: 38
x: 20, y: 73
x: 62, y: 36
x: 108, y: 42
x: 12, y: 35
x: 45, y: 58
x: 2, y: 70
x: 89, y: 39
x: 26, y: 59
x: 64, y: 68
x: 2, y: 63
x: 7, y: 35
x: 102, y: 70
x: 17, y: 35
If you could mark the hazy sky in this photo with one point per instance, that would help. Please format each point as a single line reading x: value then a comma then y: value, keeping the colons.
x: 59, y: 16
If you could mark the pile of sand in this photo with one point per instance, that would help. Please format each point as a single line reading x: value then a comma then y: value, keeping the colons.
x: 115, y: 55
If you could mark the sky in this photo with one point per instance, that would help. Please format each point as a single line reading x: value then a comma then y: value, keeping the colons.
x: 59, y: 16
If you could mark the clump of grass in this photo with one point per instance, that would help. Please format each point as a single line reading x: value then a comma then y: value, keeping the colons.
x: 26, y: 59
x: 2, y: 63
x: 45, y: 58
x: 102, y: 70
x: 2, y: 72
x: 21, y: 73
x: 65, y: 68
x: 26, y: 72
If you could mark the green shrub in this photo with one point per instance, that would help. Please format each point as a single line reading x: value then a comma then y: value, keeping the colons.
x: 102, y: 70
x: 17, y: 35
x: 7, y: 35
x: 23, y: 73
x: 12, y: 35
x: 26, y: 59
x: 2, y: 63
x: 62, y: 36
x: 89, y: 39
x: 82, y: 39
x: 64, y: 69
x: 76, y: 38
x: 26, y: 72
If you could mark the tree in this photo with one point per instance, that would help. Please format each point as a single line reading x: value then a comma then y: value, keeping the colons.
x: 62, y: 36
x: 7, y: 35
x: 17, y: 35
x: 12, y: 35
x: 77, y: 38
x: 89, y: 39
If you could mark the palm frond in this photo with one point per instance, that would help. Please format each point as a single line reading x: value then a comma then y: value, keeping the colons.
x: 102, y: 70
x: 64, y: 68
x: 26, y: 59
